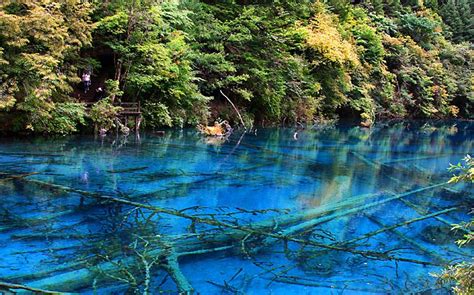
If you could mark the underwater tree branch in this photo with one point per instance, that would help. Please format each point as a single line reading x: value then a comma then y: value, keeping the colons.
x: 27, y: 288
x: 214, y: 222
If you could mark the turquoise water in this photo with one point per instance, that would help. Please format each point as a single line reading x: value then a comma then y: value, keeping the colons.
x: 339, y: 210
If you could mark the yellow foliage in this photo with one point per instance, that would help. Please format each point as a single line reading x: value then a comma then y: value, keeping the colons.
x: 367, y: 120
x: 409, y: 43
x: 439, y: 92
x: 323, y: 37
x: 415, y: 48
x: 37, y: 43
x: 391, y: 41
x: 219, y: 129
x: 7, y: 91
x: 454, y: 110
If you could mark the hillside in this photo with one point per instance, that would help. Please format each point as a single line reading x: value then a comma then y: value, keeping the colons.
x: 278, y: 61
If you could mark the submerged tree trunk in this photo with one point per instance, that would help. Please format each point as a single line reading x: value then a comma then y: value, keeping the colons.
x: 261, y: 234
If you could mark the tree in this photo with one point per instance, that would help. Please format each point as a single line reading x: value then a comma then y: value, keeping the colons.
x: 152, y: 58
x: 39, y: 47
x: 459, y: 16
x: 288, y: 62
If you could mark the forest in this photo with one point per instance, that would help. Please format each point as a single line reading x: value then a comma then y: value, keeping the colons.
x: 279, y: 62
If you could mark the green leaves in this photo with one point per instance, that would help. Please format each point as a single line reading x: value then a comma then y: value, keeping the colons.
x: 369, y: 42
x: 154, y: 60
x: 423, y: 29
x: 156, y: 115
x: 115, y: 25
x: 461, y: 274
x: 465, y: 172
x: 58, y: 118
x: 39, y: 44
x: 459, y: 18
x: 103, y: 113
x: 286, y: 62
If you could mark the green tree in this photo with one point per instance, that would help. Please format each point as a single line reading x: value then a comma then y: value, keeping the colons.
x: 459, y: 16
x: 152, y: 57
x: 39, y: 47
x: 422, y: 29
x: 278, y: 61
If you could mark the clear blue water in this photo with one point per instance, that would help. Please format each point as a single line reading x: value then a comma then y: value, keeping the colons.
x: 332, y: 186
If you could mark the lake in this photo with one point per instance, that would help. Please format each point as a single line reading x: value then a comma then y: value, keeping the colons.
x: 342, y: 209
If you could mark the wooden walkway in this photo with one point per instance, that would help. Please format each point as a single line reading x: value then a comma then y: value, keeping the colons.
x: 129, y: 109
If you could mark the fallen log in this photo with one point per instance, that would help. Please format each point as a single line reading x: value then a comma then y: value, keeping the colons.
x: 69, y: 266
x: 173, y: 269
x: 384, y: 166
x: 23, y: 154
x: 77, y: 279
x: 194, y: 244
x: 397, y: 225
x: 52, y: 250
x: 12, y: 177
x: 226, y: 240
x: 412, y: 242
x: 4, y: 285
x: 127, y: 170
x: 370, y: 163
x: 316, y: 221
x: 52, y: 236
x: 420, y: 210
x: 310, y: 283
x: 411, y: 159
x: 387, y: 228
x: 205, y: 178
x: 290, y: 218
x: 31, y: 222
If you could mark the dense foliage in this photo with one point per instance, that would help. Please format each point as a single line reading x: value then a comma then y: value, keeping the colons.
x: 40, y: 42
x: 278, y: 61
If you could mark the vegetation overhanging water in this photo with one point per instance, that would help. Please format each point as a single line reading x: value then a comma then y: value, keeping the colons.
x: 65, y: 65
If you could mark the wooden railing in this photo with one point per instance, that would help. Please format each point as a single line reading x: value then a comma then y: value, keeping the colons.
x: 128, y: 108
